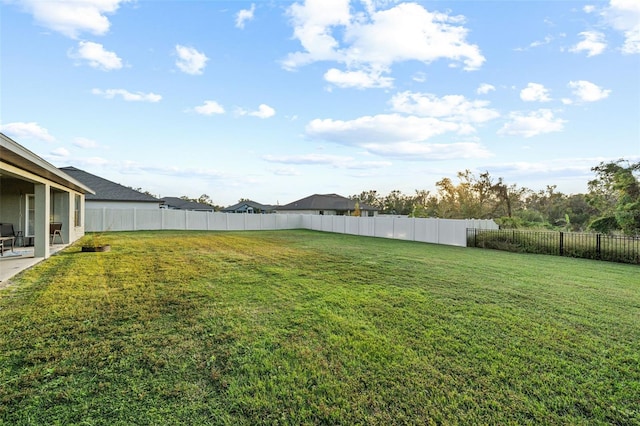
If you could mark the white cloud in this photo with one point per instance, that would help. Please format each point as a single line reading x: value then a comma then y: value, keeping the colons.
x: 532, y: 124
x: 85, y: 143
x: 384, y: 128
x: 537, y: 43
x: 31, y: 130
x: 586, y: 91
x: 245, y: 15
x: 324, y: 159
x: 209, y: 108
x: 429, y: 151
x: 357, y: 79
x: 286, y: 171
x: 589, y: 8
x: 133, y: 167
x: 535, y: 92
x: 593, y: 43
x: 419, y: 77
x: 449, y: 107
x: 127, y: 96
x: 72, y: 18
x: 410, y: 32
x: 624, y: 16
x: 485, y: 88
x: 60, y: 152
x: 97, y: 56
x: 369, y: 42
x: 263, y: 111
x: 190, y: 61
x: 95, y: 161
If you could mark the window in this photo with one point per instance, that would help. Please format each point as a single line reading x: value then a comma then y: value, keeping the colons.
x: 77, y: 217
x: 30, y: 215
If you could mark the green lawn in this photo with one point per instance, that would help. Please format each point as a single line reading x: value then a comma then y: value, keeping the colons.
x: 303, y: 327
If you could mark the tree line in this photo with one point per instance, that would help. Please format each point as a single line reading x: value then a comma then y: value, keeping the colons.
x: 612, y: 203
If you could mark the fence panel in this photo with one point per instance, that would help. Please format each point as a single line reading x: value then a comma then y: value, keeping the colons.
x: 352, y: 225
x: 119, y: 219
x: 571, y: 244
x: 426, y: 230
x: 196, y: 221
x: 383, y: 227
x: 452, y: 232
x: 438, y: 231
x: 148, y: 220
x: 403, y: 228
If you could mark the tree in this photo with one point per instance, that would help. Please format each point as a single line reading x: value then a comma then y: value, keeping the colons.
x: 203, y: 199
x: 370, y: 198
x: 615, y: 192
x: 472, y: 197
x: 397, y: 203
x: 356, y: 210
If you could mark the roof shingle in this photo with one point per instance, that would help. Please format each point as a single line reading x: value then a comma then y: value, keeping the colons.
x: 105, y: 189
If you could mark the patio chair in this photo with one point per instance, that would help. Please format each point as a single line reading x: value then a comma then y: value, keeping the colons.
x: 7, y: 235
x: 55, y: 228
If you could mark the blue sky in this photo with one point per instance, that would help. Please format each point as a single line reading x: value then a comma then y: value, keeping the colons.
x: 278, y: 100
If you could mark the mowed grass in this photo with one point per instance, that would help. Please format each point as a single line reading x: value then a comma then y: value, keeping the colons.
x: 302, y: 327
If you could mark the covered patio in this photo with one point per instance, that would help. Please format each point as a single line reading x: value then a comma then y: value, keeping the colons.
x: 33, y: 195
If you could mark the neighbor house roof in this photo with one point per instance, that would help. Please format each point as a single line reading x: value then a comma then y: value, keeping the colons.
x: 15, y: 155
x: 105, y: 190
x: 182, y: 204
x: 243, y: 204
x: 325, y: 202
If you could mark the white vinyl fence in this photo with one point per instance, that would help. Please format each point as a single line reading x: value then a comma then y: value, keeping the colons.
x: 437, y: 231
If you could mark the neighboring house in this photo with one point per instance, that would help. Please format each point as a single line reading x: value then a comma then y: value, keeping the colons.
x: 34, y: 193
x: 176, y: 203
x: 327, y: 204
x: 249, y: 207
x: 111, y: 195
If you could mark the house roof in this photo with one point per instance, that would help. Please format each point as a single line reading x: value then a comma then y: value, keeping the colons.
x: 325, y: 202
x: 105, y: 190
x: 182, y: 204
x: 249, y: 203
x: 14, y: 154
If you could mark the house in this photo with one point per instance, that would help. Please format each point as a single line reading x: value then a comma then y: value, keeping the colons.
x: 249, y: 206
x: 327, y: 204
x: 111, y: 195
x: 34, y: 194
x: 175, y: 203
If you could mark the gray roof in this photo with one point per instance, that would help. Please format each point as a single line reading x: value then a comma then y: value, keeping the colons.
x: 249, y: 203
x: 105, y: 190
x: 182, y: 204
x: 325, y: 202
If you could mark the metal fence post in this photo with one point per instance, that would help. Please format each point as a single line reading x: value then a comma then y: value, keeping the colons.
x: 561, y: 243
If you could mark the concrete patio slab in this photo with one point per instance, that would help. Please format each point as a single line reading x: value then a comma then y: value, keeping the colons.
x: 22, y: 258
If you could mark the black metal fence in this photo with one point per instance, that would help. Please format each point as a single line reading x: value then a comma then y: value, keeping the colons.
x: 610, y: 248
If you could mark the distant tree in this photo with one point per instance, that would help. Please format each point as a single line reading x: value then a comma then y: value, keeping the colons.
x: 423, y: 204
x: 397, y: 203
x: 356, y: 210
x: 203, y: 199
x: 508, y: 198
x: 615, y: 192
x: 472, y: 197
x: 144, y: 192
x: 370, y: 198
